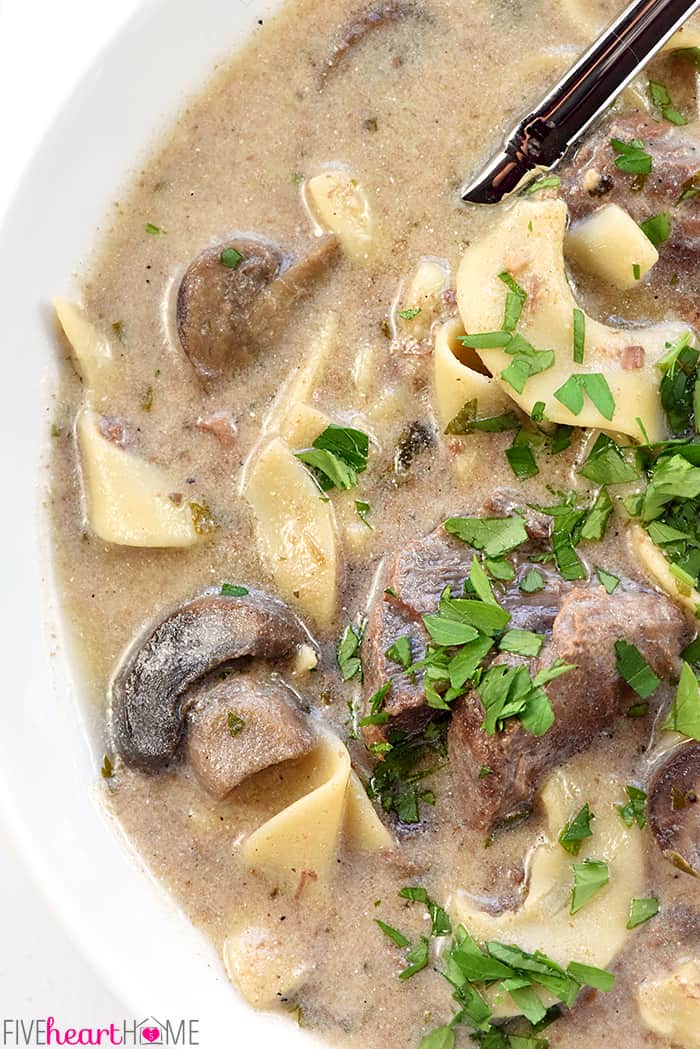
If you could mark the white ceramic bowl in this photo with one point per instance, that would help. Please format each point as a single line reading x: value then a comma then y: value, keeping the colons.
x: 133, y: 934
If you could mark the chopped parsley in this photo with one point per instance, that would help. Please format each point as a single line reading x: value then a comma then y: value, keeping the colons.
x: 579, y: 332
x: 466, y: 421
x: 576, y: 831
x: 662, y: 100
x: 496, y: 536
x: 233, y: 590
x: 634, y: 669
x: 440, y: 1038
x: 634, y: 811
x: 336, y: 457
x: 417, y: 959
x: 401, y: 652
x: 543, y: 182
x: 521, y: 643
x: 606, y: 463
x: 152, y: 229
x: 607, y: 580
x: 684, y: 716
x: 589, y: 878
x: 641, y: 910
x: 533, y: 582
x: 363, y: 511
x: 595, y: 385
x: 441, y: 925
x: 230, y: 258
x: 107, y: 769
x: 657, y: 228
x: 396, y: 782
x: 516, y: 298
x: 632, y: 157
x: 537, y: 413
x: 235, y: 723
x: 348, y: 653
x: 394, y: 935
x: 520, y: 456
x: 410, y: 313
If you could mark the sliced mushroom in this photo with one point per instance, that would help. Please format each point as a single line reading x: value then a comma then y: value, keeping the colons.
x: 149, y: 701
x: 233, y: 296
x: 240, y: 725
x: 674, y: 808
x: 365, y: 22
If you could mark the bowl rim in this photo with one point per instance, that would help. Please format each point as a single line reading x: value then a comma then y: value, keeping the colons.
x: 131, y: 931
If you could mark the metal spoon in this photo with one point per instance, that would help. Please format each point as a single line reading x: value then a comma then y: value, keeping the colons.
x: 541, y: 139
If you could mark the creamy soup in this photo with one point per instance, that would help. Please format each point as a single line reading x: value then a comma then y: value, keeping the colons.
x: 376, y: 522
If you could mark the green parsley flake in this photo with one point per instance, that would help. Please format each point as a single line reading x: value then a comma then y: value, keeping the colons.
x: 153, y: 230
x: 543, y: 182
x: 579, y: 335
x: 636, y: 271
x: 632, y: 157
x: 496, y: 536
x: 441, y: 925
x: 400, y: 652
x: 606, y: 464
x: 440, y: 1038
x: 394, y: 935
x: 486, y: 341
x: 589, y: 878
x: 634, y: 669
x: 466, y: 421
x: 607, y: 580
x: 533, y: 582
x: 363, y: 511
x: 233, y: 590
x: 410, y: 313
x: 635, y: 809
x: 684, y: 716
x: 537, y: 413
x: 641, y: 910
x: 515, y: 300
x: 417, y: 959
x: 235, y: 723
x: 521, y: 458
x: 662, y: 100
x: 595, y: 385
x: 576, y: 831
x: 657, y: 228
x: 348, y: 653
x: 337, y: 456
x: 521, y: 643
x: 230, y: 258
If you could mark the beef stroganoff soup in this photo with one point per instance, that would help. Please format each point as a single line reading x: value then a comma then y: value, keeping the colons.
x: 376, y: 522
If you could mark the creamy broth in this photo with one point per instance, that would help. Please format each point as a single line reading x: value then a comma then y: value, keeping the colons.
x: 409, y: 111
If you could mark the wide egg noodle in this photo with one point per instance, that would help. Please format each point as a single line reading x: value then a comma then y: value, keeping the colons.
x: 301, y: 841
x: 527, y: 242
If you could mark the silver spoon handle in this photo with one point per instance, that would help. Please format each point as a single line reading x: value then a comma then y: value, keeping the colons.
x: 542, y: 138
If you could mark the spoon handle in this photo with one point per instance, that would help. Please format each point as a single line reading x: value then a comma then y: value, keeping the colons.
x: 541, y: 139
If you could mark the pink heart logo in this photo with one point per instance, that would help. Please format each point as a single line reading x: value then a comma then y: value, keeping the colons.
x: 151, y: 1034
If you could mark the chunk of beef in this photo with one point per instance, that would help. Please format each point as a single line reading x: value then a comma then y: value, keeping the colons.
x: 409, y: 587
x: 585, y: 701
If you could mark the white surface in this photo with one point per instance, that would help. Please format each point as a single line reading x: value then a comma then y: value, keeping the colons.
x: 134, y: 939
x: 40, y: 970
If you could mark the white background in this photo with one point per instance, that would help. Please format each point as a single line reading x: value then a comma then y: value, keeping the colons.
x: 45, y: 46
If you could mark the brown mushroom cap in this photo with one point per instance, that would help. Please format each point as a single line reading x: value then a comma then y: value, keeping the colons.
x: 225, y: 312
x: 148, y: 693
x: 240, y: 725
x: 674, y: 807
